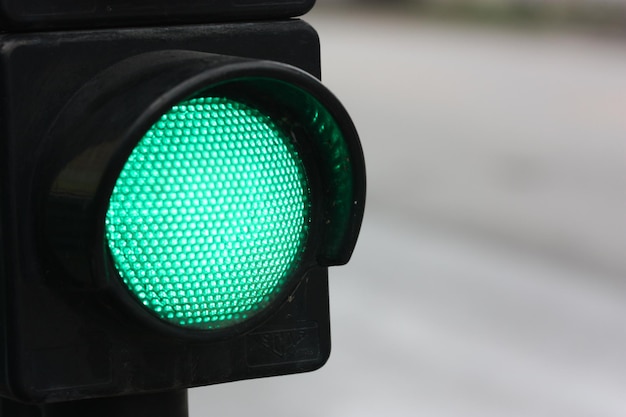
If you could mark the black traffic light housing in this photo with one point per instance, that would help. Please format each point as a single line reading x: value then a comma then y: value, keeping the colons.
x: 67, y: 330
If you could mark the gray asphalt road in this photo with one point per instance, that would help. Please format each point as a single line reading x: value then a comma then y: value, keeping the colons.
x: 489, y: 279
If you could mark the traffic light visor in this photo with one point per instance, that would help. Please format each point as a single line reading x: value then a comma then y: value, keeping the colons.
x: 210, y: 197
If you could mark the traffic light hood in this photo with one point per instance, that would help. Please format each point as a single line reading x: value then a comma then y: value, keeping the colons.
x: 95, y: 134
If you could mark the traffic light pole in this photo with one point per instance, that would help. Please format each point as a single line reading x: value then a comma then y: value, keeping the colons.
x: 163, y: 404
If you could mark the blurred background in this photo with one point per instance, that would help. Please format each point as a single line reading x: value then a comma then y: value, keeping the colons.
x: 490, y: 277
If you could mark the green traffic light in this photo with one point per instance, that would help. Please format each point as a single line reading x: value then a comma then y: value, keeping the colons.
x: 210, y: 214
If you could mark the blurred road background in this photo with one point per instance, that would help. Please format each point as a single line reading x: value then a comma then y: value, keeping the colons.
x: 490, y: 277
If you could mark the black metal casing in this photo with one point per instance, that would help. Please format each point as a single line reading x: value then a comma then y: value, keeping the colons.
x: 50, y: 14
x: 54, y: 346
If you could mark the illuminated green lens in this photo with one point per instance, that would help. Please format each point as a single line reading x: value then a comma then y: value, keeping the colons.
x: 209, y: 215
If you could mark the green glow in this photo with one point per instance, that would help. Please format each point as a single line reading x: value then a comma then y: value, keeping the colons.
x: 209, y: 214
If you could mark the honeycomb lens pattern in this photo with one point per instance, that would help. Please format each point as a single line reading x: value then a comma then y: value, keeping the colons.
x: 209, y: 215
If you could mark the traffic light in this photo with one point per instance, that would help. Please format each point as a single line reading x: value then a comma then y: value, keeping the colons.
x: 175, y: 182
